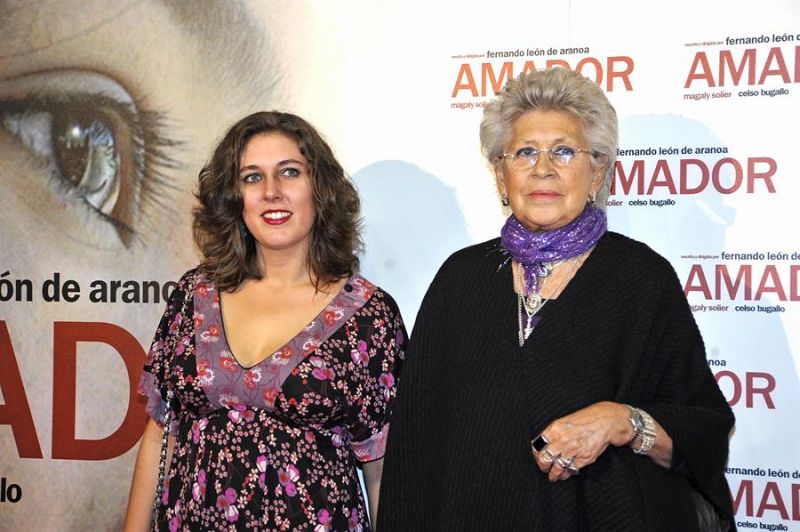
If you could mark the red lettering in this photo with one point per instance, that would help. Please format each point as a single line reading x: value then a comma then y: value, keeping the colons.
x: 16, y: 411
x: 662, y: 167
x: 717, y: 172
x: 745, y: 492
x: 598, y: 68
x: 702, y: 284
x: 770, y: 275
x: 794, y: 282
x: 700, y: 70
x: 774, y: 65
x: 751, y: 387
x: 796, y: 492
x: 66, y: 336
x: 771, y: 499
x: 726, y: 62
x: 488, y: 77
x: 737, y: 385
x: 752, y: 175
x: 797, y: 64
x: 684, y: 179
x: 637, y: 172
x: 736, y: 281
x: 765, y: 391
x: 624, y: 74
x: 528, y: 67
x: 743, y: 276
x: 618, y: 69
x: 778, y: 504
x: 469, y: 84
x: 726, y: 176
x: 780, y: 69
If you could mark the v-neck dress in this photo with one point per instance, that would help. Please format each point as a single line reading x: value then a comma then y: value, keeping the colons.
x: 274, y: 446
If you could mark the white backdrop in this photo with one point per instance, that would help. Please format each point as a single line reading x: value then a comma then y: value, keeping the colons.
x: 707, y: 96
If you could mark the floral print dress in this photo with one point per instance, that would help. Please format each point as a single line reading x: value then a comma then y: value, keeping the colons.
x: 274, y: 446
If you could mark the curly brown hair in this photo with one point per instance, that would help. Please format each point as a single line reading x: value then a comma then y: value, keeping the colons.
x: 229, y: 250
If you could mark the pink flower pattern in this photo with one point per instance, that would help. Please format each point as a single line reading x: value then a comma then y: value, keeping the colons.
x: 272, y: 447
x: 199, y: 486
x: 320, y: 371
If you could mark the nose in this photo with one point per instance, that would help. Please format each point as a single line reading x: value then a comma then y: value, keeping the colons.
x: 272, y: 189
x: 543, y: 167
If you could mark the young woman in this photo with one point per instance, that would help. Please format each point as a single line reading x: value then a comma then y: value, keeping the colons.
x: 274, y: 361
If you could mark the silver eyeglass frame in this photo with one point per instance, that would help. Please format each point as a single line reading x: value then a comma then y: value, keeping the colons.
x: 534, y: 158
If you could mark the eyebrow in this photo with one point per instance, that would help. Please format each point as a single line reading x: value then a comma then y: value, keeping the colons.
x: 234, y: 36
x: 284, y: 162
x: 16, y: 23
x: 236, y: 39
x: 290, y: 161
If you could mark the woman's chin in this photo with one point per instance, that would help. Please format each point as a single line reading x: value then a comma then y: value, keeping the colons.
x: 543, y: 223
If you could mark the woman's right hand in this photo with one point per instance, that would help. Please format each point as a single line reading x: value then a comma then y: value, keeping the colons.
x: 145, y: 478
x: 578, y: 439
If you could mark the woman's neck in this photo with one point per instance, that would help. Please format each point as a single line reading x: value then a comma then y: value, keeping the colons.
x: 283, y: 268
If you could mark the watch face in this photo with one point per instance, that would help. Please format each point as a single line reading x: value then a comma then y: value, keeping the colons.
x: 636, y: 420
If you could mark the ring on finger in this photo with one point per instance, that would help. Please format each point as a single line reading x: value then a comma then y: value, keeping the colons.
x: 548, y: 457
x: 564, y: 462
x: 568, y: 464
x: 539, y: 443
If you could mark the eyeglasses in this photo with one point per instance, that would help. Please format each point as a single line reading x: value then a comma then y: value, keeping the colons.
x: 526, y: 157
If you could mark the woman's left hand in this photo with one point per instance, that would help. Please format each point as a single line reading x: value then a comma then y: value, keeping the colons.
x: 576, y: 440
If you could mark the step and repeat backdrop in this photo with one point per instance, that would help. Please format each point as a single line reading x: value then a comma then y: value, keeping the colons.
x: 109, y: 109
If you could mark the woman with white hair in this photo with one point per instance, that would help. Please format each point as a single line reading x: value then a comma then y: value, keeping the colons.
x: 556, y: 379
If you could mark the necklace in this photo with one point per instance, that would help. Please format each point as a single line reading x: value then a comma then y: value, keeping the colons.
x: 533, y: 249
x: 533, y: 302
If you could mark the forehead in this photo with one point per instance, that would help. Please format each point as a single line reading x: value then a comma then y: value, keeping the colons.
x: 273, y: 147
x: 542, y: 126
x: 51, y: 28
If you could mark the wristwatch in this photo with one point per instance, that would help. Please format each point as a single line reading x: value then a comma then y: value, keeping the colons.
x: 644, y: 430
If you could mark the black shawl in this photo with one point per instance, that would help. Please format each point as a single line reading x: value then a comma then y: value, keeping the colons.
x: 470, y: 400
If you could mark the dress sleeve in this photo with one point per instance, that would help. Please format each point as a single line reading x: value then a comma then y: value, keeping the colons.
x: 377, y: 359
x: 680, y: 392
x: 160, y: 358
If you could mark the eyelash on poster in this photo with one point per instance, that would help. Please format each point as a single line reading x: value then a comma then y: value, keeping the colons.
x: 148, y: 146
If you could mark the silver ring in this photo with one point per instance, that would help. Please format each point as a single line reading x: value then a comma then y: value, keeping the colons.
x: 547, y: 456
x: 567, y: 463
x: 539, y: 443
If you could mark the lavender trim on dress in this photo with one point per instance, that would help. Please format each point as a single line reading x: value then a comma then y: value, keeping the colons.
x: 225, y: 381
x: 532, y: 249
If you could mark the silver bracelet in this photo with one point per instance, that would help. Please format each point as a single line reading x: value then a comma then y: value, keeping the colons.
x: 644, y: 439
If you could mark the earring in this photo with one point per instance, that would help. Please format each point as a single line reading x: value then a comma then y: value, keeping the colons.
x: 592, y: 197
x: 504, y: 200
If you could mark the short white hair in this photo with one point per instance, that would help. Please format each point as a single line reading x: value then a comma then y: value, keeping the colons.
x: 555, y: 89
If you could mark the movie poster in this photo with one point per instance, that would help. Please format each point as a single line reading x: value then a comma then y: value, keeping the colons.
x: 108, y: 110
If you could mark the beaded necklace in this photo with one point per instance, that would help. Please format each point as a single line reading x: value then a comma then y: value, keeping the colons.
x: 538, y: 251
x: 533, y: 302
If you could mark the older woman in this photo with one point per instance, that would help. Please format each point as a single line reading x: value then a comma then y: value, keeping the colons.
x: 275, y: 361
x: 556, y: 379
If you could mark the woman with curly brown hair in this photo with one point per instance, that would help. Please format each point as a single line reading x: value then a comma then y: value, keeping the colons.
x: 272, y: 368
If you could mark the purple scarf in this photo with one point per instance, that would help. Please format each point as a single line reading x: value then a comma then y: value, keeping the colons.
x: 533, y: 249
